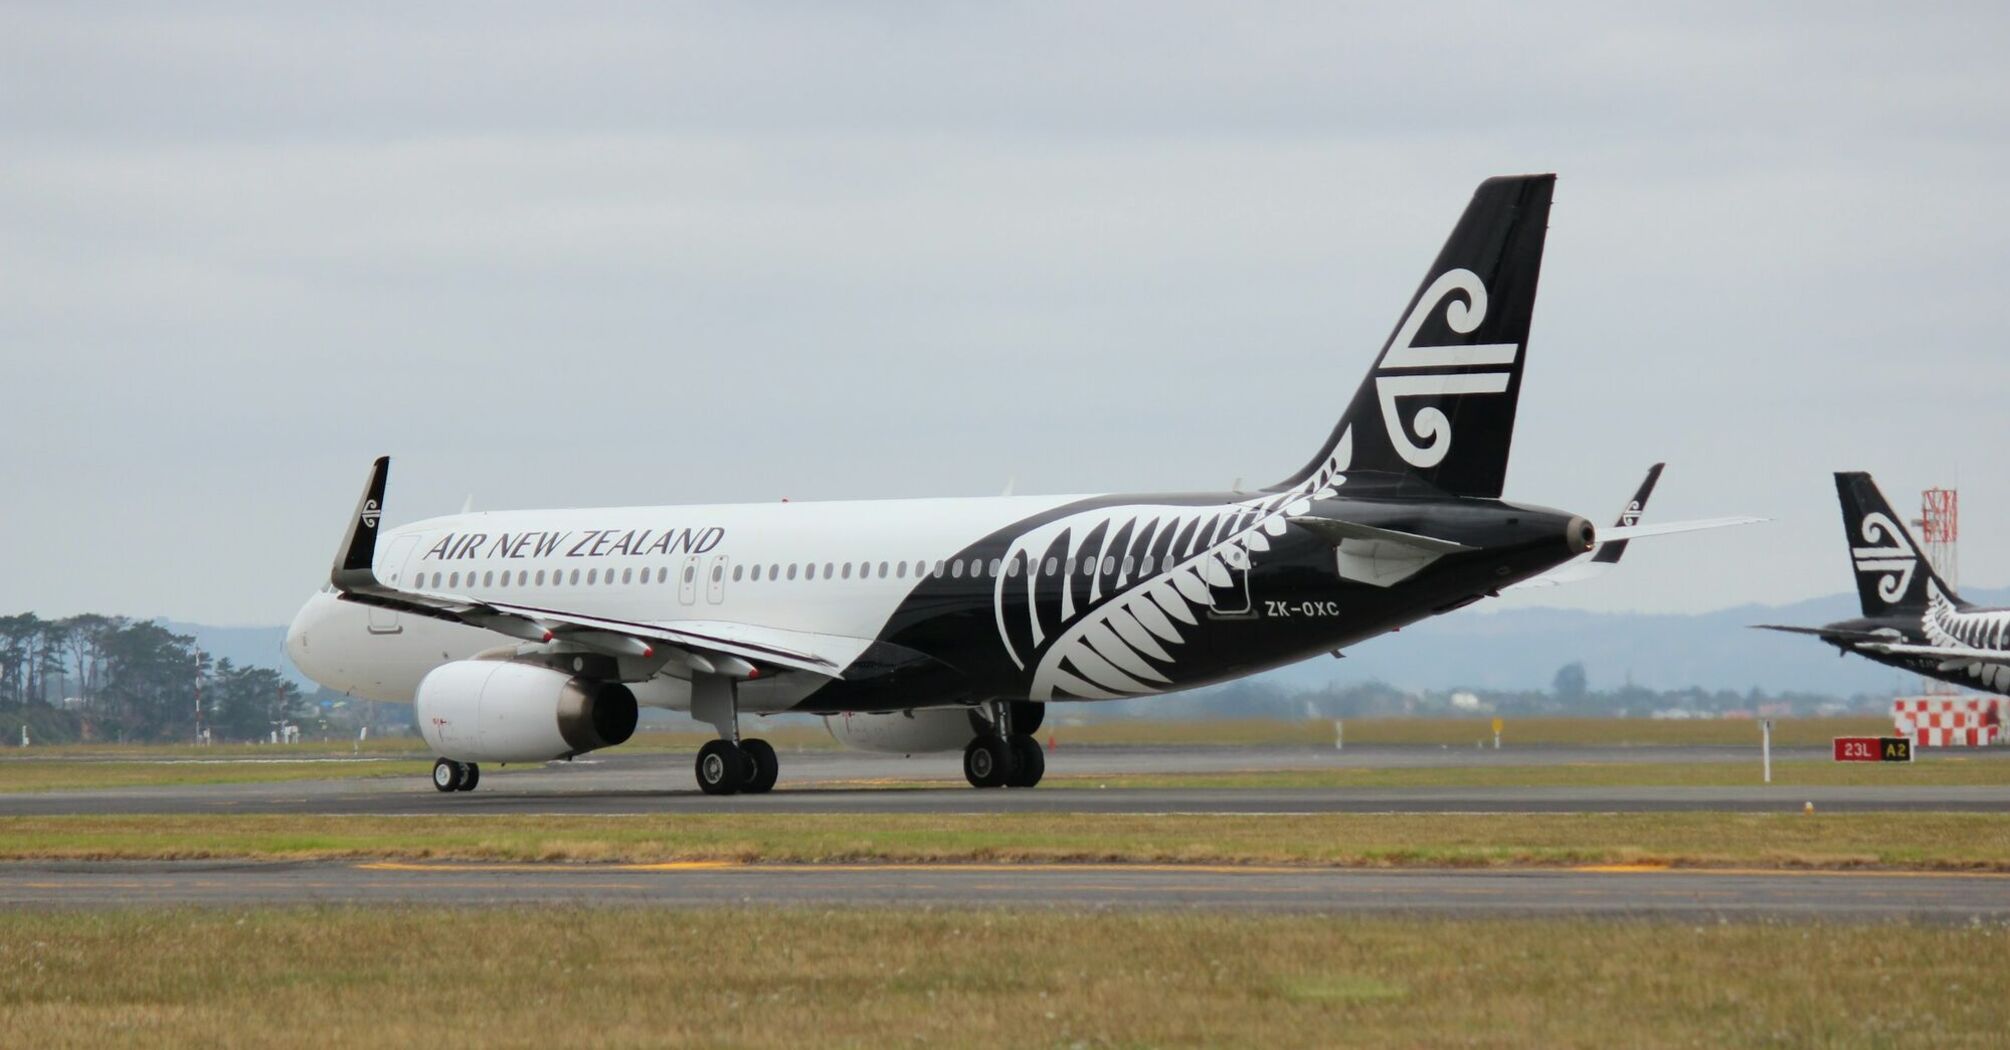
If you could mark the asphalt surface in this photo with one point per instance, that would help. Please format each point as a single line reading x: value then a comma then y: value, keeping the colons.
x: 1608, y: 893
x: 848, y: 782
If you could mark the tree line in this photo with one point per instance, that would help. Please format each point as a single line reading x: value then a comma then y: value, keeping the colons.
x: 94, y: 677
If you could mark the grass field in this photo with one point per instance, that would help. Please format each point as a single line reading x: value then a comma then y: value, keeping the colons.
x: 1464, y: 732
x: 1936, y: 770
x: 1922, y: 841
x: 636, y: 977
x: 80, y: 775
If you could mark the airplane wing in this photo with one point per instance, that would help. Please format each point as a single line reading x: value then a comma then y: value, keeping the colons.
x: 1952, y: 656
x: 738, y: 650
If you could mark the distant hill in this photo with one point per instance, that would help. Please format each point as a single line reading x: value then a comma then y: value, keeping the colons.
x: 1510, y: 649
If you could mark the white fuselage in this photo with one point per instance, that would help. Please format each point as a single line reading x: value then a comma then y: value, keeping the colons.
x: 834, y: 570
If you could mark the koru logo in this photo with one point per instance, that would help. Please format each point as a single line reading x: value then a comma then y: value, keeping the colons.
x: 370, y: 514
x: 1631, y: 516
x: 1888, y: 553
x: 1428, y: 371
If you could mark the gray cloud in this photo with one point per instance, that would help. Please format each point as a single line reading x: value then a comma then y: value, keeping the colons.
x: 706, y: 254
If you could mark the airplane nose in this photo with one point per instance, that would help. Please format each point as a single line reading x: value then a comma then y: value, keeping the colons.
x: 299, y: 632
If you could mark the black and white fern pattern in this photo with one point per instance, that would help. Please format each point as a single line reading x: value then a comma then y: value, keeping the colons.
x: 1111, y: 595
x: 1944, y: 625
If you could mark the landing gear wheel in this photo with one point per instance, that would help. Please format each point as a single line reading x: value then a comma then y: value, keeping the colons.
x: 447, y: 775
x: 471, y: 774
x: 1029, y: 762
x: 987, y: 762
x: 722, y: 768
x: 762, y: 766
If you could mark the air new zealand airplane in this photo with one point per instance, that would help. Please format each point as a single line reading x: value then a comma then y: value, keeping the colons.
x: 1911, y: 618
x: 950, y: 624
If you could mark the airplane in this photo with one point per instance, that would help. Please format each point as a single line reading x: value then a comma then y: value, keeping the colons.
x: 1911, y: 619
x: 950, y: 624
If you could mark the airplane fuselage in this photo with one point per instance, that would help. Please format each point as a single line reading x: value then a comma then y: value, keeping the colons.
x: 948, y: 601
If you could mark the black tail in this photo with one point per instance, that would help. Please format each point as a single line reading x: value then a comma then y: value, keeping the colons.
x: 1440, y: 402
x: 1891, y: 575
x: 1610, y: 553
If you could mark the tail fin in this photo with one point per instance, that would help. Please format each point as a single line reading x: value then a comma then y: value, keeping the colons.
x: 1890, y: 573
x: 1440, y: 402
x: 1610, y: 553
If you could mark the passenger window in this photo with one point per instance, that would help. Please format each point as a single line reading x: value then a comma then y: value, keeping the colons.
x: 882, y: 570
x: 591, y: 575
x: 575, y: 577
x: 1146, y: 566
x: 1130, y: 564
x: 540, y: 577
x: 847, y: 570
x: 690, y: 573
x: 1109, y: 565
x: 1051, y: 566
x: 956, y: 569
x: 792, y: 571
x: 900, y: 569
x: 627, y: 575
x: 827, y: 570
x: 738, y: 570
x: 454, y: 581
x: 995, y: 564
x: 773, y: 571
x: 940, y: 568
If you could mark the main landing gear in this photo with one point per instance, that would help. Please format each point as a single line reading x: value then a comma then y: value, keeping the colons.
x: 729, y: 765
x: 1002, y: 757
x: 749, y: 766
x: 449, y: 775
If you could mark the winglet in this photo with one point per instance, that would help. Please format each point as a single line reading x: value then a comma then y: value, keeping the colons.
x: 1610, y: 553
x: 355, y: 559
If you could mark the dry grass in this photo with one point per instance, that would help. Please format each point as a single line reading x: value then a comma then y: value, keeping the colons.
x: 18, y: 775
x: 1463, y: 732
x: 547, y: 976
x: 1924, y: 841
x: 1934, y: 771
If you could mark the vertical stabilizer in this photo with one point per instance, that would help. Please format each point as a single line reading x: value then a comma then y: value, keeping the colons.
x: 1891, y: 574
x: 1440, y: 402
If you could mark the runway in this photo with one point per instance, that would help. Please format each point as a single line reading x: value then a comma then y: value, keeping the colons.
x: 1610, y: 893
x: 845, y: 782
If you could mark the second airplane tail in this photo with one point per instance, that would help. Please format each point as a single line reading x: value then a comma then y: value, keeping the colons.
x: 1891, y: 574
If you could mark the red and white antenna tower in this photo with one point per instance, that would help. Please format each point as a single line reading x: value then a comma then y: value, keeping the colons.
x: 1940, y: 532
x: 1939, y: 528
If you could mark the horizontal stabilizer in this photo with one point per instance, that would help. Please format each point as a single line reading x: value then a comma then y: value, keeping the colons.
x: 1828, y: 633
x: 1669, y: 528
x: 1955, y: 656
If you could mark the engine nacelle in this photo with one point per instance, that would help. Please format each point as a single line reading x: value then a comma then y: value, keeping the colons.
x: 497, y: 711
x: 924, y: 730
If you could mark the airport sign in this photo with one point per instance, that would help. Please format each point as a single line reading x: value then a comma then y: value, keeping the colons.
x: 1873, y: 749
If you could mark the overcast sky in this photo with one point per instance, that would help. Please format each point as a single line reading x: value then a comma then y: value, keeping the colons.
x: 699, y: 254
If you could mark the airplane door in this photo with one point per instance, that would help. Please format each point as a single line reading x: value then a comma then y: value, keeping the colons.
x: 391, y: 569
x: 687, y: 580
x: 1237, y: 601
x: 715, y: 580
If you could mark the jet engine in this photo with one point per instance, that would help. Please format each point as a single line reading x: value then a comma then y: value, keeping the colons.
x: 924, y: 730
x: 497, y: 711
